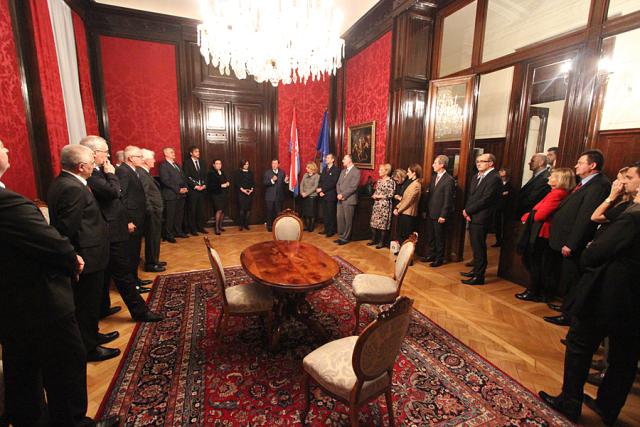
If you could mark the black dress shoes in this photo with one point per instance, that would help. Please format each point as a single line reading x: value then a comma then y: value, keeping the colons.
x: 467, y: 273
x: 142, y: 289
x: 113, y: 421
x: 170, y: 240
x: 144, y: 282
x: 148, y: 316
x: 342, y: 242
x: 162, y: 263
x: 203, y: 231
x: 474, y: 281
x: 429, y: 258
x: 593, y: 405
x: 112, y: 310
x: 322, y: 232
x: 154, y: 268
x: 528, y: 296
x: 182, y: 235
x: 555, y: 307
x: 556, y: 403
x: 107, y: 338
x: 331, y: 234
x: 337, y: 241
x: 436, y: 263
x: 194, y: 233
x: 102, y: 353
x: 469, y: 264
x: 560, y: 320
x: 371, y: 243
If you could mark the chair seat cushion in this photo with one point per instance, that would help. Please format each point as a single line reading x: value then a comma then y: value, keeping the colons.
x: 249, y: 298
x: 374, y: 288
x: 332, y: 368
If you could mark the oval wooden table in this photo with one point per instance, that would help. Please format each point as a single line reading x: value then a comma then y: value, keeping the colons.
x: 291, y: 269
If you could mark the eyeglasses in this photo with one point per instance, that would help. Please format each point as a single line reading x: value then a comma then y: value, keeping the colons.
x: 483, y: 161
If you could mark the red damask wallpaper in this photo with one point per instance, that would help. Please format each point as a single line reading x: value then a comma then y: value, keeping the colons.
x: 141, y: 93
x: 367, y: 94
x: 310, y: 101
x: 84, y: 73
x: 55, y: 115
x: 13, y: 125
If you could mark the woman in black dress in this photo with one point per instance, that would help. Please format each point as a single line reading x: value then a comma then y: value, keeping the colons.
x: 244, y: 184
x: 218, y: 186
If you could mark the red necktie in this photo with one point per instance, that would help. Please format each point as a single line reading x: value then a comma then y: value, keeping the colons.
x: 577, y: 188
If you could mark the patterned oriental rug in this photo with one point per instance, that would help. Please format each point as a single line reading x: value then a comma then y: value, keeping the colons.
x: 175, y: 374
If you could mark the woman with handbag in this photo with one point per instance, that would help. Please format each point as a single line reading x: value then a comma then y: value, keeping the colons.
x: 542, y: 262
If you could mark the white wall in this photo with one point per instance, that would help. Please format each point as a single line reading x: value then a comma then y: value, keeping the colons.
x: 493, y: 104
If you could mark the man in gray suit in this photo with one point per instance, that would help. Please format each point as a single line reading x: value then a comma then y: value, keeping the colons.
x: 347, y: 198
x: 154, y: 205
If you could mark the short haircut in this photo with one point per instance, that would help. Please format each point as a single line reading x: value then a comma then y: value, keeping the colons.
x: 506, y: 171
x: 417, y: 169
x: 552, y: 149
x: 443, y: 160
x: 166, y: 149
x: 566, y: 178
x: 275, y: 160
x: 243, y: 162
x: 400, y: 174
x: 492, y: 158
x: 349, y: 156
x: 148, y: 154
x: 636, y: 165
x: 120, y: 156
x: 542, y: 157
x: 594, y: 156
x: 312, y: 166
x: 387, y: 168
x: 333, y: 156
x: 93, y: 141
x: 623, y: 170
x: 193, y: 148
x: 73, y: 155
x: 130, y: 150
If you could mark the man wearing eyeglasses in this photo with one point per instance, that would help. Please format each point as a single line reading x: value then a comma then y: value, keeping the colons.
x: 483, y: 196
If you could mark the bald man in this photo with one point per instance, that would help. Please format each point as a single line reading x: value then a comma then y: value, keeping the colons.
x: 536, y: 188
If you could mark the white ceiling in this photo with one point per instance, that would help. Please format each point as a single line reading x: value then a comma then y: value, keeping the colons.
x: 352, y: 10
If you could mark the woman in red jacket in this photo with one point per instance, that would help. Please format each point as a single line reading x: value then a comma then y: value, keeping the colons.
x: 538, y: 257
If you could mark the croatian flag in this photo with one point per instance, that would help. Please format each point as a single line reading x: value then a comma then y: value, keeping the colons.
x: 294, y: 166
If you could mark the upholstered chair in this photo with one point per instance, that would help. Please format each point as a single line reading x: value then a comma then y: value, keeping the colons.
x: 377, y: 289
x: 240, y: 300
x: 287, y: 226
x: 356, y: 370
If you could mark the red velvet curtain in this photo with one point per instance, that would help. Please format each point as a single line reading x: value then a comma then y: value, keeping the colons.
x: 367, y: 95
x: 13, y: 125
x: 141, y: 93
x: 49, y: 81
x: 84, y: 74
x: 310, y: 101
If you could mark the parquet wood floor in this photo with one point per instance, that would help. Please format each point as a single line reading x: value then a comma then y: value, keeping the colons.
x: 509, y: 333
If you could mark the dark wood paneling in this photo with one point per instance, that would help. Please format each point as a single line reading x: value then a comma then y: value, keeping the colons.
x: 620, y: 148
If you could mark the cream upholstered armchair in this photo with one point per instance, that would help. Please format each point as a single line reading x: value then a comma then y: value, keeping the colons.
x: 287, y: 226
x: 377, y: 289
x: 356, y: 370
x: 241, y: 300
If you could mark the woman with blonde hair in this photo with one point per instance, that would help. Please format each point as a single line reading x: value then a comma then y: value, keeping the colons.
x: 381, y: 215
x: 541, y: 261
x: 309, y: 195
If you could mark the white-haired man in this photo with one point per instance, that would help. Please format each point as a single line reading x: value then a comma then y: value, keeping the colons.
x: 174, y: 192
x: 153, y: 229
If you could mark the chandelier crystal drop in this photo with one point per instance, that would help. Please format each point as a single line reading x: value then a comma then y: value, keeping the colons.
x: 272, y: 40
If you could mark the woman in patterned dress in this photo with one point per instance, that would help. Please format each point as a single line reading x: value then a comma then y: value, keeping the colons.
x: 381, y: 215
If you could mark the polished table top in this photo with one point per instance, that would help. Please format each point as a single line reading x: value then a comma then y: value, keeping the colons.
x: 292, y: 266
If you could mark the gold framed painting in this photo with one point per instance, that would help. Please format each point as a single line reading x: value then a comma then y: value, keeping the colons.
x: 361, y: 144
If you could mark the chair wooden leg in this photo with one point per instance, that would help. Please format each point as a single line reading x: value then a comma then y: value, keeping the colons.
x: 306, y: 386
x: 353, y: 415
x: 387, y: 396
x: 357, y: 316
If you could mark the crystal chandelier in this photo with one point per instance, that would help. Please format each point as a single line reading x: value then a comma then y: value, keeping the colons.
x: 449, y: 114
x: 272, y: 40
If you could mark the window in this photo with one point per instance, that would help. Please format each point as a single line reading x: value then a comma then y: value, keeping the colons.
x: 493, y: 104
x: 622, y: 7
x: 457, y: 40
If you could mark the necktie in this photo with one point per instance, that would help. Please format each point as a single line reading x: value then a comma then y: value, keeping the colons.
x: 577, y: 188
x: 197, y: 166
x: 437, y: 179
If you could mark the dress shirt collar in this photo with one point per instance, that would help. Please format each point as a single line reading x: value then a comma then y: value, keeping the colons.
x: 145, y: 168
x: 486, y: 172
x: 275, y: 171
x: 131, y: 167
x: 540, y: 171
x: 442, y: 172
x: 78, y: 177
x: 2, y: 185
x: 349, y: 168
x: 584, y: 181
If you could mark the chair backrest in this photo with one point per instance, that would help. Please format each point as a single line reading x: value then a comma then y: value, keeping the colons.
x: 287, y: 226
x: 405, y: 255
x: 218, y: 269
x: 379, y: 344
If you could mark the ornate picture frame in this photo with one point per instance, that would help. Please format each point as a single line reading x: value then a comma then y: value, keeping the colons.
x: 361, y: 144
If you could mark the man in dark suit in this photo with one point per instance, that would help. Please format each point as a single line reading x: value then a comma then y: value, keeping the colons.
x: 154, y: 207
x: 42, y: 348
x: 440, y: 207
x: 536, y: 188
x: 135, y: 203
x: 327, y: 192
x: 606, y: 305
x: 105, y: 186
x: 174, y: 191
x: 499, y: 215
x: 196, y: 177
x: 75, y: 213
x: 572, y: 228
x: 478, y: 211
x: 347, y: 195
x: 275, y: 183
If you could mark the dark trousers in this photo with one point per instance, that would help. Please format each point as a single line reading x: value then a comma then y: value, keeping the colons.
x: 195, y: 203
x: 583, y: 340
x: 50, y: 358
x: 437, y: 236
x: 498, y: 218
x: 174, y: 210
x: 407, y: 224
x: 570, y: 278
x: 274, y: 207
x: 329, y: 215
x: 152, y: 236
x: 125, y: 281
x: 478, y: 236
x: 133, y: 252
x: 543, y: 265
x: 87, y: 295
